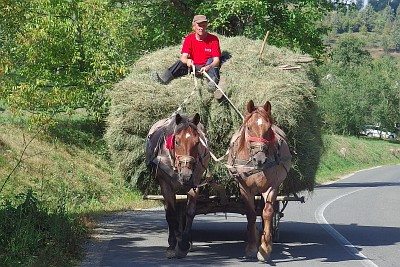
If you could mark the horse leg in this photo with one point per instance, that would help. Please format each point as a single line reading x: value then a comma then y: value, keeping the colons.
x: 183, y: 245
x: 252, y: 234
x: 266, y: 239
x: 173, y: 226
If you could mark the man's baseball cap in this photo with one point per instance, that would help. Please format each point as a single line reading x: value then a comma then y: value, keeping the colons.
x: 199, y: 18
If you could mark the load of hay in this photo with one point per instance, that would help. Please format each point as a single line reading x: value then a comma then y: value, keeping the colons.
x: 138, y: 102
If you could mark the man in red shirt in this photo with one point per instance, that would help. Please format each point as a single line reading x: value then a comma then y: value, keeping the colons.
x: 200, y: 49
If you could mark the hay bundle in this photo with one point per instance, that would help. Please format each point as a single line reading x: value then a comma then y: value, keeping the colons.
x: 138, y: 102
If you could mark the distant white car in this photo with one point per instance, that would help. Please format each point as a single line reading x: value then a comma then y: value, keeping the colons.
x: 375, y: 131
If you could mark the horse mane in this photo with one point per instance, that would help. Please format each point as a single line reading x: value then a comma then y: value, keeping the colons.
x: 182, y: 125
x: 259, y: 109
x: 185, y: 123
x: 173, y: 128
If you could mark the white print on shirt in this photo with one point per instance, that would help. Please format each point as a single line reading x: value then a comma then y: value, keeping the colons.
x: 207, y: 49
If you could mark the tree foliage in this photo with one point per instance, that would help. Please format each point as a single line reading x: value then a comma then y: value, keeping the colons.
x: 356, y: 90
x: 395, y: 33
x: 293, y: 24
x: 57, y: 56
x: 350, y: 51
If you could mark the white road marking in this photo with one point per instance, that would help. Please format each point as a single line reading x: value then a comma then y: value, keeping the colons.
x: 319, y: 216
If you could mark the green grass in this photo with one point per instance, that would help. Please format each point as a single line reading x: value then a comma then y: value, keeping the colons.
x: 343, y: 155
x: 65, y: 179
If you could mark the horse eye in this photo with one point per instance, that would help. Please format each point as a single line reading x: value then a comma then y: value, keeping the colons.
x: 249, y: 128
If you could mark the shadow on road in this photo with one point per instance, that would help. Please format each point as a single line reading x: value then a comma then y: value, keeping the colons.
x: 140, y: 239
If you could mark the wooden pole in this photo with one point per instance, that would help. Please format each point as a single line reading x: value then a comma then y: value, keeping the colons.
x: 263, y: 45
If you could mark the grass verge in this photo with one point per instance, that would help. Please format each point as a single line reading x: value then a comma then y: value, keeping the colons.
x: 345, y: 154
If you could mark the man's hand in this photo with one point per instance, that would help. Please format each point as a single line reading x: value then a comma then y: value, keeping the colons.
x: 189, y: 63
x: 205, y: 68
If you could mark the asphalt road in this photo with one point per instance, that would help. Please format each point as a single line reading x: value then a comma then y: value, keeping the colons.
x: 353, y: 222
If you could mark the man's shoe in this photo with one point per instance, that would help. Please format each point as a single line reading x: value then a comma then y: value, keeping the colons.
x: 154, y: 75
x: 211, y: 87
x: 218, y: 95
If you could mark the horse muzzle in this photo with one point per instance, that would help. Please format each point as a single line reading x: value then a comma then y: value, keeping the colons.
x: 186, y: 180
x: 185, y: 166
x: 259, y: 156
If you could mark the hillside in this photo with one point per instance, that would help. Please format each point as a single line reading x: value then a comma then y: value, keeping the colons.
x: 66, y: 167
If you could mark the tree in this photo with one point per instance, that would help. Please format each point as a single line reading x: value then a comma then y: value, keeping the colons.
x: 340, y: 87
x: 384, y: 20
x: 367, y: 17
x: 354, y: 92
x: 293, y: 25
x: 382, y: 81
x: 395, y: 33
x: 349, y: 51
x: 58, y: 56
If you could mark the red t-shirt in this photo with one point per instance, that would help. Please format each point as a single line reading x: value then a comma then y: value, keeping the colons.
x: 201, y: 51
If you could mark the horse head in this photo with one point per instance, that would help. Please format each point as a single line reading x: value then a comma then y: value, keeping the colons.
x: 187, y: 152
x: 258, y: 134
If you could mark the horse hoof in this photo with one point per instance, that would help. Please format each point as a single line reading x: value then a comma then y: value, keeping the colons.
x: 251, y: 253
x: 262, y: 256
x: 264, y: 253
x: 170, y: 253
x: 180, y: 253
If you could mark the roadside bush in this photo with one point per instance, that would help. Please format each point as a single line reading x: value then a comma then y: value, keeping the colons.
x: 31, y: 235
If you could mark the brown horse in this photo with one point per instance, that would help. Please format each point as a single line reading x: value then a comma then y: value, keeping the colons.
x: 177, y: 155
x: 259, y: 159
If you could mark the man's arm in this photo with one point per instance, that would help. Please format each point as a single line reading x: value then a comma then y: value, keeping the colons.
x: 214, y: 63
x: 186, y: 60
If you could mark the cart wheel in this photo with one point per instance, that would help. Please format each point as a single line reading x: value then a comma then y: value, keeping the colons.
x: 276, y: 217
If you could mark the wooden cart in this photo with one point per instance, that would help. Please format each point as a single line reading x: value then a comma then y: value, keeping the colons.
x: 232, y: 204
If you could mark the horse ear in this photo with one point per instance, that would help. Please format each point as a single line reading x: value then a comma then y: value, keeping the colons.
x: 196, y: 118
x: 267, y: 106
x: 178, y: 119
x: 250, y: 106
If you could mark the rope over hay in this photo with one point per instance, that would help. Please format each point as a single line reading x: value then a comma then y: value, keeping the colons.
x: 138, y: 102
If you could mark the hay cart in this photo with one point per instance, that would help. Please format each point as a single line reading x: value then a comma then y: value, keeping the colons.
x: 231, y: 204
x: 225, y: 203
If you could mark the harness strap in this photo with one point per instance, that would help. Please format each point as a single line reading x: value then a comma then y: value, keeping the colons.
x: 259, y: 139
x: 269, y: 164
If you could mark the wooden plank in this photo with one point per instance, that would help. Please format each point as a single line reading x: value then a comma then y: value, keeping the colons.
x: 288, y: 67
x: 184, y: 197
